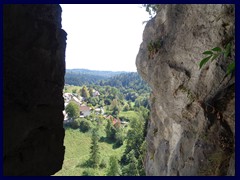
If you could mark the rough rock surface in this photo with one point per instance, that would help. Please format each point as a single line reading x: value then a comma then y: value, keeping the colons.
x: 192, y: 126
x: 34, y: 68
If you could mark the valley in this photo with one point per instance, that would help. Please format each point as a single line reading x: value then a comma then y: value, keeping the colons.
x: 115, y: 108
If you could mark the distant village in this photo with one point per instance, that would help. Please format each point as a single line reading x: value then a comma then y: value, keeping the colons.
x: 86, y: 110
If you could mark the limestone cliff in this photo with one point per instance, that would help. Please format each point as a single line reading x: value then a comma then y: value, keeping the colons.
x: 192, y: 126
x: 34, y: 68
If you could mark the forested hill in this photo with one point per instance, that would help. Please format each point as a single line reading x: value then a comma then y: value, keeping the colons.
x: 126, y: 80
x: 79, y: 77
x: 130, y: 80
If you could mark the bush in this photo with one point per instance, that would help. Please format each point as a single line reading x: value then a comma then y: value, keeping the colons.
x: 103, y: 164
x: 84, y: 126
x: 88, y: 172
x: 74, y: 124
x: 72, y: 109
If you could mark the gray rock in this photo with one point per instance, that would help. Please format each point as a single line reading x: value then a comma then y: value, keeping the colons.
x: 192, y: 109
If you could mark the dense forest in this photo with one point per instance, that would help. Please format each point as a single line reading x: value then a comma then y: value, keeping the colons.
x: 79, y: 77
x: 120, y: 79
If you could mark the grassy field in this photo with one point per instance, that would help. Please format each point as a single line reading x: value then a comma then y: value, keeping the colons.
x: 129, y: 115
x: 77, y: 150
x: 68, y: 89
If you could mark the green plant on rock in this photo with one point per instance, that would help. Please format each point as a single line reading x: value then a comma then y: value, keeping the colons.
x: 215, y: 53
x: 153, y: 47
x: 151, y: 9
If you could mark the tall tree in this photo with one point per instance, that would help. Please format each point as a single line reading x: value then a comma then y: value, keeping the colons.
x: 114, y: 168
x: 135, y: 139
x: 132, y: 168
x: 110, y: 129
x: 85, y: 92
x: 94, y: 149
x: 72, y: 109
x: 90, y: 91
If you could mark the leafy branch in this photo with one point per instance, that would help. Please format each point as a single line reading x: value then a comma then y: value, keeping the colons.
x: 151, y: 9
x: 215, y: 53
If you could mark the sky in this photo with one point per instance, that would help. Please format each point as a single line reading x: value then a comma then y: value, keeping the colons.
x: 103, y: 36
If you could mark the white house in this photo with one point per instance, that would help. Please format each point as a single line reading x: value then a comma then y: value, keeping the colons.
x: 67, y: 97
x: 66, y: 118
x: 76, y: 100
x: 99, y: 110
x: 96, y: 93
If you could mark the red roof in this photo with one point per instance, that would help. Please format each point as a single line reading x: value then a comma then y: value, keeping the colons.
x: 116, y: 121
x: 84, y: 108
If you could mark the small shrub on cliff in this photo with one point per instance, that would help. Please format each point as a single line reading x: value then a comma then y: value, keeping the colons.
x: 151, y: 9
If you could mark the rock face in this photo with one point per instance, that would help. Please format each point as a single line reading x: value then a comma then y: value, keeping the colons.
x: 34, y: 68
x: 192, y: 126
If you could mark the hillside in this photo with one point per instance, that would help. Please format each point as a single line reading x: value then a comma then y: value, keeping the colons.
x: 119, y: 79
x: 79, y: 77
x: 95, y: 72
x: 128, y: 81
x: 77, y: 153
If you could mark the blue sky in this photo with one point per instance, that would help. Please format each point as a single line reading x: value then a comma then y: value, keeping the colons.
x: 103, y: 36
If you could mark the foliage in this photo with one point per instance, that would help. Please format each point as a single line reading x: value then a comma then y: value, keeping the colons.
x: 135, y: 144
x: 126, y: 91
x: 119, y: 137
x: 142, y: 101
x: 151, y: 8
x: 75, y: 124
x: 88, y: 172
x: 126, y: 107
x: 77, y: 151
x: 94, y: 149
x: 81, y: 77
x: 84, y: 92
x: 110, y: 130
x: 129, y: 115
x: 153, y: 47
x: 135, y: 136
x: 216, y: 53
x: 103, y: 164
x: 127, y: 81
x: 114, y: 168
x: 132, y: 168
x: 143, y: 151
x: 85, y: 125
x: 72, y: 109
x: 74, y: 91
x: 115, y: 106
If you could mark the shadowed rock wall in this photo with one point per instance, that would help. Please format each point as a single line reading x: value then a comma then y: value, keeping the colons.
x: 192, y: 126
x: 34, y: 68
